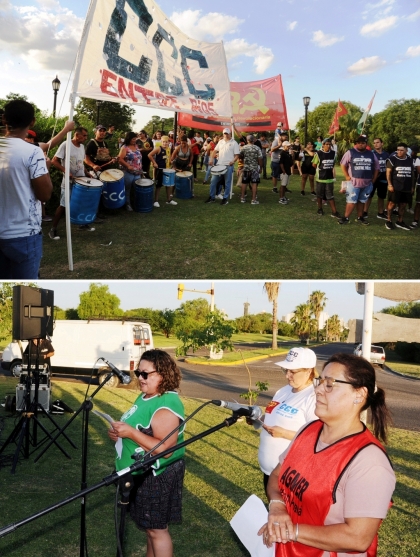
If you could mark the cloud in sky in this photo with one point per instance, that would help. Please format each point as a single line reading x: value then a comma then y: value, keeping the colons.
x: 379, y: 27
x: 379, y: 9
x: 291, y: 25
x: 368, y: 65
x: 322, y: 40
x: 46, y: 37
x: 414, y: 16
x: 212, y: 26
x: 263, y: 57
x: 413, y: 51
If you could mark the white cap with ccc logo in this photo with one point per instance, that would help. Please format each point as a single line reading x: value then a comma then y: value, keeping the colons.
x: 299, y: 358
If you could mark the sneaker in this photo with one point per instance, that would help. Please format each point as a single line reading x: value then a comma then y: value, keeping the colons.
x: 255, y: 202
x: 220, y: 196
x: 389, y: 225
x: 362, y: 220
x: 53, y: 234
x: 275, y: 190
x: 210, y: 200
x: 224, y: 201
x: 344, y: 220
x: 395, y: 212
x: 324, y: 203
x: 287, y: 190
x: 402, y: 225
x: 128, y: 207
x: 156, y: 204
x: 171, y: 202
x: 283, y: 201
x: 382, y: 216
x: 365, y: 215
x: 302, y: 192
x: 243, y: 200
x: 415, y: 224
x: 47, y: 218
x: 320, y: 211
x: 313, y: 193
x: 86, y: 227
x: 336, y: 215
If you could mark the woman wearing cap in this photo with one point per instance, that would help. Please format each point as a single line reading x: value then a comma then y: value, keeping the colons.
x: 156, y: 499
x: 292, y: 407
x: 333, y: 486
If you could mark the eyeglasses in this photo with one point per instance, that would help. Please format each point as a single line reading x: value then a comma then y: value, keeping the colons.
x: 328, y: 382
x: 286, y: 371
x: 143, y: 374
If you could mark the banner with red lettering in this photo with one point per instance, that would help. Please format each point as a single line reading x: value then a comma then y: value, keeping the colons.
x: 256, y: 106
x: 130, y: 52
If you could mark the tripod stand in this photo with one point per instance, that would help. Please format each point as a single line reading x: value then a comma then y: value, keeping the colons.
x: 21, y: 433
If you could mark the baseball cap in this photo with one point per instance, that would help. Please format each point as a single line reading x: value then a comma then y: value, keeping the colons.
x: 171, y: 133
x: 299, y: 358
x: 100, y: 127
x: 285, y: 143
x: 361, y: 139
x: 280, y: 124
x: 226, y: 130
x: 250, y: 138
x: 32, y: 133
x: 326, y: 140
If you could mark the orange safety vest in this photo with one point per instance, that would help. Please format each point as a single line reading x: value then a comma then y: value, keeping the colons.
x: 308, y: 481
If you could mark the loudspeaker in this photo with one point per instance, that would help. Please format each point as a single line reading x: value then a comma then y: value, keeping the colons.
x: 44, y: 393
x: 33, y: 312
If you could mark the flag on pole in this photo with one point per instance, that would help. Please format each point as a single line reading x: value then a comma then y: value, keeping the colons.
x: 363, y: 118
x: 341, y: 109
x: 335, y: 126
x: 132, y: 53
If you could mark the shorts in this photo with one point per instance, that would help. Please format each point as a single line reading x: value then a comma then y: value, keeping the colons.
x: 63, y: 195
x: 275, y: 169
x: 250, y: 177
x: 284, y: 180
x: 310, y: 170
x: 381, y: 188
x: 361, y: 195
x: 325, y: 189
x: 156, y: 501
x: 400, y: 197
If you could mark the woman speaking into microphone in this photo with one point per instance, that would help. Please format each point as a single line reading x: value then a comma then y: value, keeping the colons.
x: 333, y: 485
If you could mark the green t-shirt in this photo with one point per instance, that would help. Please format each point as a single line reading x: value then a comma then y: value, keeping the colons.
x: 140, y: 417
x: 316, y: 161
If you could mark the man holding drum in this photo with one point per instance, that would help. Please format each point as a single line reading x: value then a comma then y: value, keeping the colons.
x: 97, y: 152
x: 227, y: 151
x: 77, y: 156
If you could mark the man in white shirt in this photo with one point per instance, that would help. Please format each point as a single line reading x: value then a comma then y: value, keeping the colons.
x: 228, y: 153
x: 25, y: 183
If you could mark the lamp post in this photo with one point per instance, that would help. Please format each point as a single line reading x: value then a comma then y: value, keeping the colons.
x: 306, y: 101
x: 98, y: 106
x: 56, y: 87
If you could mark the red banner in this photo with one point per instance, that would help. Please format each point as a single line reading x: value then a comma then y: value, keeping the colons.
x: 256, y: 106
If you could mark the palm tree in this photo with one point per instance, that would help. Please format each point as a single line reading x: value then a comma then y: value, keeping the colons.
x: 303, y: 323
x: 272, y: 289
x: 317, y: 301
x: 333, y: 328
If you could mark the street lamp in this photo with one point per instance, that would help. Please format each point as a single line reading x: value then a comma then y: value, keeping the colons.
x: 306, y: 101
x: 98, y: 105
x: 56, y: 87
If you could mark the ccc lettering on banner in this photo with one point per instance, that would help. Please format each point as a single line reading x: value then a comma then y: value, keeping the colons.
x: 140, y: 74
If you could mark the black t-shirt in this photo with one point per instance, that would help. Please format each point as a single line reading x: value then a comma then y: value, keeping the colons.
x: 382, y: 158
x: 146, y: 144
x: 98, y: 152
x: 402, y: 172
x: 286, y: 160
x: 43, y: 348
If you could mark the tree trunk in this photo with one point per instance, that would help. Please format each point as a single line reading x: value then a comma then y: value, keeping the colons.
x: 275, y: 326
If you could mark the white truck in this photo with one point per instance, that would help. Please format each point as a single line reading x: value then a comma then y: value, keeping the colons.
x: 79, y: 344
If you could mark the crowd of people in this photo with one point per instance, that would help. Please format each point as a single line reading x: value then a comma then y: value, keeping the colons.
x: 25, y: 170
x: 327, y: 478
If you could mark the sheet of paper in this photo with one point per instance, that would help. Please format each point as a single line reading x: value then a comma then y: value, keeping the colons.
x: 107, y: 417
x: 246, y: 523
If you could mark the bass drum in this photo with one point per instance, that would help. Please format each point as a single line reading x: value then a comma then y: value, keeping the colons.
x: 113, y: 192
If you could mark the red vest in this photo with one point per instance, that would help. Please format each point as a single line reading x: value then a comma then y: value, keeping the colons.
x: 308, y: 481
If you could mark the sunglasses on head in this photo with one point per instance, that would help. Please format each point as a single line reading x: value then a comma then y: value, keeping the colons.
x: 143, y: 374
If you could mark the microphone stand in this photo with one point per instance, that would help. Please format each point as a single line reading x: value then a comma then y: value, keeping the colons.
x: 113, y: 478
x: 86, y: 408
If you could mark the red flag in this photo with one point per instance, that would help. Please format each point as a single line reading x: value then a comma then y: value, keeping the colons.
x: 341, y: 109
x: 335, y: 126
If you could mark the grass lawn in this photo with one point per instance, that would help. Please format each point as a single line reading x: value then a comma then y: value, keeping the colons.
x: 238, y: 241
x: 222, y: 471
x: 397, y: 364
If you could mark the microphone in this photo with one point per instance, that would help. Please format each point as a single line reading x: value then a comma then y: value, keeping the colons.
x: 251, y: 412
x: 123, y: 377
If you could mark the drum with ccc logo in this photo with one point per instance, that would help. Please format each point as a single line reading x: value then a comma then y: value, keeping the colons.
x: 84, y: 200
x: 113, y: 191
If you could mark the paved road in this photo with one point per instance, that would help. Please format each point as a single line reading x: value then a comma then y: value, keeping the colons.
x: 227, y: 383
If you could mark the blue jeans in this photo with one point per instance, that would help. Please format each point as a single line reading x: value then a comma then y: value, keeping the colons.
x: 20, y: 257
x: 206, y: 177
x: 228, y: 183
x: 361, y: 195
x: 129, y: 180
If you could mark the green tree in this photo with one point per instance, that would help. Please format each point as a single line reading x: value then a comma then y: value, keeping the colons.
x: 332, y: 330
x: 99, y: 302
x: 167, y: 321
x: 399, y: 121
x: 317, y: 301
x: 110, y: 113
x: 149, y: 315
x: 404, y: 309
x: 272, y: 291
x: 71, y: 314
x: 158, y: 123
x: 214, y: 332
x: 191, y: 313
x: 286, y: 329
x: 304, y: 325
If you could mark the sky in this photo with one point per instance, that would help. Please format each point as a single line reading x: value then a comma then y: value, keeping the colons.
x: 230, y: 296
x: 324, y: 49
